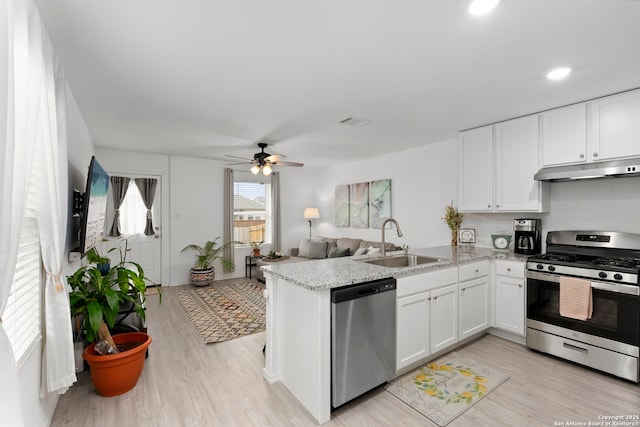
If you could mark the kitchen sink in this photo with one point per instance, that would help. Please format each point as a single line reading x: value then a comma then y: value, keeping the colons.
x: 402, y: 261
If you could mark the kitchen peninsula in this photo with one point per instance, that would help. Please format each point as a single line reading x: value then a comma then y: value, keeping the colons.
x: 298, y: 336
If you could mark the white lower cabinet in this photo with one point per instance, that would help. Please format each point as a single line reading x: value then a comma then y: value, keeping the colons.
x: 510, y: 296
x: 426, y: 313
x: 412, y: 317
x: 474, y: 298
x: 443, y: 317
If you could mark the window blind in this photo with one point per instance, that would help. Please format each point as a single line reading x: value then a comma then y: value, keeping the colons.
x: 23, y: 315
x: 22, y: 318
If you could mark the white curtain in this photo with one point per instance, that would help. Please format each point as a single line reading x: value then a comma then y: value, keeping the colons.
x: 17, y: 160
x: 58, y: 367
x: 36, y: 132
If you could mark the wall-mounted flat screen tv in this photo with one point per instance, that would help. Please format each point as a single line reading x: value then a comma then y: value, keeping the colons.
x: 94, y: 209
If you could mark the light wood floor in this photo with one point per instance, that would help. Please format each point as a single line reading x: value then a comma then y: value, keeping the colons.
x: 188, y: 383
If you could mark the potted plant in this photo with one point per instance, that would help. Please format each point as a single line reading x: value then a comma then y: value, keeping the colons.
x: 103, y: 263
x: 203, y: 273
x: 256, y: 248
x: 96, y: 300
x: 453, y: 218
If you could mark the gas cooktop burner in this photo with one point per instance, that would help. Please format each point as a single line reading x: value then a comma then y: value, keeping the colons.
x: 557, y: 257
x: 617, y: 262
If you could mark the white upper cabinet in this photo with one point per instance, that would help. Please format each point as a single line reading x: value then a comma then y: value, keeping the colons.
x: 517, y: 153
x: 497, y: 166
x: 476, y: 164
x: 564, y: 135
x: 602, y: 129
x: 615, y: 126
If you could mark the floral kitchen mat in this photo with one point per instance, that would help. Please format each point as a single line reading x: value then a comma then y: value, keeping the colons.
x: 444, y: 389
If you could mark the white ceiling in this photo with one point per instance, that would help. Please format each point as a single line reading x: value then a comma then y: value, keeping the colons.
x: 207, y: 78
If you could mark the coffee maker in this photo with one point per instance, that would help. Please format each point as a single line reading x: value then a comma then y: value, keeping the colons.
x: 527, y: 236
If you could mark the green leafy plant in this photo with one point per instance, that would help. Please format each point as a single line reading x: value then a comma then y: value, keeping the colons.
x: 96, y: 299
x: 452, y: 217
x: 95, y: 258
x: 255, y: 245
x: 209, y: 253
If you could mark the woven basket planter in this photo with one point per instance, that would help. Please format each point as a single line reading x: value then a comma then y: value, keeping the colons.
x: 202, y: 277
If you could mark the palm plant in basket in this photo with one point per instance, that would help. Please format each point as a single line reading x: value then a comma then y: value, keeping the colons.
x: 96, y: 299
x: 203, y: 273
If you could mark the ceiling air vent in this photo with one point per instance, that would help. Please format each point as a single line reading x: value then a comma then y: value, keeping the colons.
x: 354, y: 121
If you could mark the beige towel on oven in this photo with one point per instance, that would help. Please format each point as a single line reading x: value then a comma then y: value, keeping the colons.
x: 576, y: 300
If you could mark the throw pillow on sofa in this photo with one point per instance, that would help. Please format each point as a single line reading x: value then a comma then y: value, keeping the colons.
x: 303, y: 247
x: 317, y: 249
x: 338, y: 252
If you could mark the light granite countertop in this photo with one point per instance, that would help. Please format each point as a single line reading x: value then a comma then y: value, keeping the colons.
x: 338, y: 272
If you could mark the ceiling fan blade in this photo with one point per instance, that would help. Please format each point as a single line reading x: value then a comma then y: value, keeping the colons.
x: 287, y: 164
x: 238, y: 157
x: 241, y: 163
x: 275, y: 157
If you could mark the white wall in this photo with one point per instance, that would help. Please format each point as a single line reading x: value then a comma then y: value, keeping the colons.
x: 423, y: 180
x: 192, y: 211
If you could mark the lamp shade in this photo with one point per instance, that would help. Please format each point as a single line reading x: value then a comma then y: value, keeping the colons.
x: 311, y: 213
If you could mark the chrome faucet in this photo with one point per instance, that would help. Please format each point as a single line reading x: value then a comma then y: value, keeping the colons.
x: 384, y: 223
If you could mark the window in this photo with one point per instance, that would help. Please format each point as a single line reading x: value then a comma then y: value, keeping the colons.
x: 22, y: 317
x: 251, y: 208
x: 133, y: 212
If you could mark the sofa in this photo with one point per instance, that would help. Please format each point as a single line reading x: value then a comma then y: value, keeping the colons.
x: 326, y: 247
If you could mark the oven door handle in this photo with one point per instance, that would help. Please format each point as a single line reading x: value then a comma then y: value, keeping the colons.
x: 607, y: 287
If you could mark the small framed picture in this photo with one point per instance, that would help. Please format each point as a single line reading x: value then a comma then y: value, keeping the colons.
x: 467, y: 235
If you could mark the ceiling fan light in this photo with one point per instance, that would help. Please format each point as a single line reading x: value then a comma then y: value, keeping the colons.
x: 266, y: 170
x: 255, y: 169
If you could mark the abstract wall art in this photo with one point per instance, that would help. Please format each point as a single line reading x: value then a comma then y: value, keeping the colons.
x: 359, y: 205
x: 341, y: 207
x: 380, y: 202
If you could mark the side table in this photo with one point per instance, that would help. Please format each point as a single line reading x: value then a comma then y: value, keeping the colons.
x: 249, y: 262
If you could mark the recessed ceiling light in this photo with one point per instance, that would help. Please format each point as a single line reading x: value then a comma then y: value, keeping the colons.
x: 480, y: 7
x: 558, y: 73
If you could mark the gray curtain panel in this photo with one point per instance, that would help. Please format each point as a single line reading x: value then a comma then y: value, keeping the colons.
x: 228, y: 216
x: 119, y: 187
x: 276, y: 234
x: 147, y: 188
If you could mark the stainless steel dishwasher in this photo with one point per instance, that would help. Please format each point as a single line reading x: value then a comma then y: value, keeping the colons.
x: 363, y: 338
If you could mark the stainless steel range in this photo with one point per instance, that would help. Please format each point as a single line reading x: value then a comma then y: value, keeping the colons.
x: 609, y: 340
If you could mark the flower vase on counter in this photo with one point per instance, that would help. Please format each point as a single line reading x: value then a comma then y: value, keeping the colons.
x: 453, y: 219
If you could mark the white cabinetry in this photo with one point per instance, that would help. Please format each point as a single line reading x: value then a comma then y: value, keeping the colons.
x: 427, y: 314
x: 412, y: 322
x: 517, y: 153
x: 473, y: 282
x: 615, y: 126
x: 602, y: 129
x: 510, y: 295
x: 443, y: 317
x: 564, y: 135
x: 476, y: 166
x: 497, y: 167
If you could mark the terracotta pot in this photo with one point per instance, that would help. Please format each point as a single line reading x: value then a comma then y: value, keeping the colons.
x: 115, y: 374
x: 256, y: 252
x: 202, y: 277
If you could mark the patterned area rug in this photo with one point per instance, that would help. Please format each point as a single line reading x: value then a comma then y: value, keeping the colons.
x: 225, y: 310
x: 444, y: 389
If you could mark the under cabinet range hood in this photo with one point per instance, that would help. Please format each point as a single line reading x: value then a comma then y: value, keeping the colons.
x: 612, y: 168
